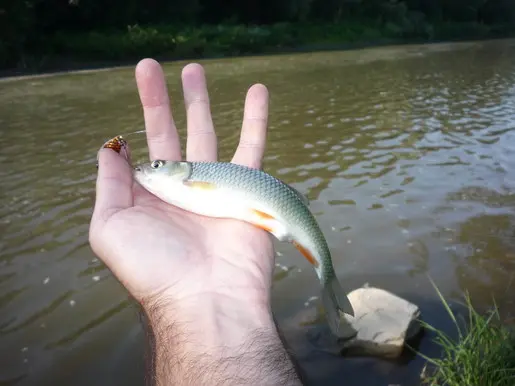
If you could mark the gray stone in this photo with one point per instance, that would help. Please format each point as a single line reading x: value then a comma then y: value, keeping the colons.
x: 383, y: 321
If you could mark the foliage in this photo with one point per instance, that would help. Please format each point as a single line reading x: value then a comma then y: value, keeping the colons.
x: 32, y: 30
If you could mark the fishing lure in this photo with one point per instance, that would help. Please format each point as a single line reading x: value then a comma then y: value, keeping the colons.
x: 118, y: 144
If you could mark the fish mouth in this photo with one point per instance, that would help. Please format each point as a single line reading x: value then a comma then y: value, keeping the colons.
x: 139, y: 173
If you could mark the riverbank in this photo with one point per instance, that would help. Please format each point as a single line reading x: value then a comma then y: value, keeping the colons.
x: 99, y: 49
x: 482, y: 355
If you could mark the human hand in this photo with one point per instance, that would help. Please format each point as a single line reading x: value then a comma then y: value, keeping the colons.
x: 210, y: 278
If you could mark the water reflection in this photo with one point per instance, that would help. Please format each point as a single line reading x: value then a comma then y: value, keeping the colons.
x: 404, y: 152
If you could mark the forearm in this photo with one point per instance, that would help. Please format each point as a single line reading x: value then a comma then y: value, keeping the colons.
x: 217, y: 345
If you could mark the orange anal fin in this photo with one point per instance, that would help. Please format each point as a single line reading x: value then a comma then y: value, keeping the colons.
x: 307, y: 254
x: 200, y: 185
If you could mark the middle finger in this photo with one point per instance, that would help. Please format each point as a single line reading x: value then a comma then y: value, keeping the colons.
x: 201, y: 144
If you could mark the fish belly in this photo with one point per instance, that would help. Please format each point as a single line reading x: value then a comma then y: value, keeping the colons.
x: 227, y: 203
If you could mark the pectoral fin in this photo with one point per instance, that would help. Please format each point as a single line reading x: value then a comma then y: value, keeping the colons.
x: 200, y: 185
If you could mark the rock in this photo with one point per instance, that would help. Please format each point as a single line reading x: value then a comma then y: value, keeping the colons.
x: 383, y: 321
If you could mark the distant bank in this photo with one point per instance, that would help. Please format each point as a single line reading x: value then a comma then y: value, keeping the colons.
x: 95, y: 50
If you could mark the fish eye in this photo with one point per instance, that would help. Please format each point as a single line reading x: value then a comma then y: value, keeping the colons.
x: 156, y: 164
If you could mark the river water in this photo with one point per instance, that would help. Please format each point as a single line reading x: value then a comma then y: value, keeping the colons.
x: 406, y: 154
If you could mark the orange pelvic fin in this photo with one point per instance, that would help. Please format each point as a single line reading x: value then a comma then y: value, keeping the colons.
x: 263, y: 215
x: 263, y: 220
x: 200, y: 185
x: 269, y: 223
x: 307, y: 254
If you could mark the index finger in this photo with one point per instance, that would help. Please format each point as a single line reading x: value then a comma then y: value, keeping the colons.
x: 162, y: 137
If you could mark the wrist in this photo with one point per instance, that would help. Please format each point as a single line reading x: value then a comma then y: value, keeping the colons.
x: 214, y: 323
x: 218, y: 338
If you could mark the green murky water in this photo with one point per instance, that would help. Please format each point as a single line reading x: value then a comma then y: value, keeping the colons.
x: 406, y: 154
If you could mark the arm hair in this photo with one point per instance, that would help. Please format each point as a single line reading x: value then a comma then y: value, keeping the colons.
x: 260, y: 360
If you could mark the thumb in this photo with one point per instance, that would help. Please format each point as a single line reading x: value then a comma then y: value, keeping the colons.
x: 114, y: 187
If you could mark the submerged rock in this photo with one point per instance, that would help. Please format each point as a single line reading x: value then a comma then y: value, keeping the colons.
x: 383, y: 321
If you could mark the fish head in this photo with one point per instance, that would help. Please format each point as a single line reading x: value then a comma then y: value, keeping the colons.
x: 162, y: 173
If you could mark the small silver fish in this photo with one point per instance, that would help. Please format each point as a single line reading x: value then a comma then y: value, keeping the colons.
x: 227, y: 190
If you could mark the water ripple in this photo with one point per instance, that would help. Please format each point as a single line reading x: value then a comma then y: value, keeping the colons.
x: 405, y: 154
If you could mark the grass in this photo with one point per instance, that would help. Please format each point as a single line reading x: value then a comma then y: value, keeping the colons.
x: 483, y: 354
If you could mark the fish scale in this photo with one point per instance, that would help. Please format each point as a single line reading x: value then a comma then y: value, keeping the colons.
x: 259, y: 185
x: 252, y: 182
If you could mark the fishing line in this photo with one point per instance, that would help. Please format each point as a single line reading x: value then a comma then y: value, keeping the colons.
x: 134, y: 132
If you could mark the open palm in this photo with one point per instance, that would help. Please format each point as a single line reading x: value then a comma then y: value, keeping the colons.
x: 160, y: 252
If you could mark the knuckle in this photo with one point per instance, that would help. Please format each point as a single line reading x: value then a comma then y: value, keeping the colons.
x: 256, y: 118
x: 250, y: 144
x: 201, y: 132
x: 159, y: 138
x: 198, y: 102
x: 95, y: 237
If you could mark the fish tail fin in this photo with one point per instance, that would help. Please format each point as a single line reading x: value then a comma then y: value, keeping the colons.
x: 338, y: 309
